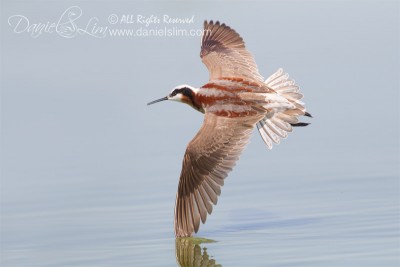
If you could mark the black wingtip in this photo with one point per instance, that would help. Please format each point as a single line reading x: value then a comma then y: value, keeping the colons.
x: 299, y: 124
x: 308, y: 114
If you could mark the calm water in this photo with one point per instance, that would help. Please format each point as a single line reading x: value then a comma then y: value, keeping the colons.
x: 89, y: 172
x: 278, y: 219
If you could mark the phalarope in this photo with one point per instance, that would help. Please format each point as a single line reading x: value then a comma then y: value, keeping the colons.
x: 235, y: 100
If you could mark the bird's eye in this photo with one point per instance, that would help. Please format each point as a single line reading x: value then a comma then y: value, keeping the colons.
x: 175, y: 92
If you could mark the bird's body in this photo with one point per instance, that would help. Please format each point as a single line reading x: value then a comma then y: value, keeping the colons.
x: 234, y: 101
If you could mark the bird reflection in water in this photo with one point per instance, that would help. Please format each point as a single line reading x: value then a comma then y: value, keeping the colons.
x: 189, y: 253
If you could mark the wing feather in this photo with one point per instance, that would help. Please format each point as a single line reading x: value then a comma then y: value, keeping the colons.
x: 224, y: 53
x: 209, y: 157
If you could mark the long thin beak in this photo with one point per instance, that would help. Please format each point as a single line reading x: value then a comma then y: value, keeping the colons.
x: 158, y: 100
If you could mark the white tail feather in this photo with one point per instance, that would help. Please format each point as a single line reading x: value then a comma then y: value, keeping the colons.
x: 276, y: 127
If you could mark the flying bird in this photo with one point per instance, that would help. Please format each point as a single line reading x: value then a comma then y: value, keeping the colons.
x: 234, y: 101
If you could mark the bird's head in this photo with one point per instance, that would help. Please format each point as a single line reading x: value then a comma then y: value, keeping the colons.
x: 182, y: 93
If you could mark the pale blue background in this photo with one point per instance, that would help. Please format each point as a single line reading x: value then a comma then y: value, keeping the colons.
x: 89, y: 172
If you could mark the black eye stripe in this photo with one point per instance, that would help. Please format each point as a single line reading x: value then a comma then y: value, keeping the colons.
x: 184, y: 91
x: 187, y: 92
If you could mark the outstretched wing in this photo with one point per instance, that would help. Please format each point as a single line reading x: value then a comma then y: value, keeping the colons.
x: 225, y: 55
x: 209, y: 157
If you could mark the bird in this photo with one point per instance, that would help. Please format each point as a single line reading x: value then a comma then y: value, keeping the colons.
x: 235, y: 100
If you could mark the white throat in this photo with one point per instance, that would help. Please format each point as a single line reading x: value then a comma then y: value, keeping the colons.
x: 177, y: 98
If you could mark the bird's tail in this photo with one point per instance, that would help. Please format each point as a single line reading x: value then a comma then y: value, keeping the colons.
x: 277, y: 126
